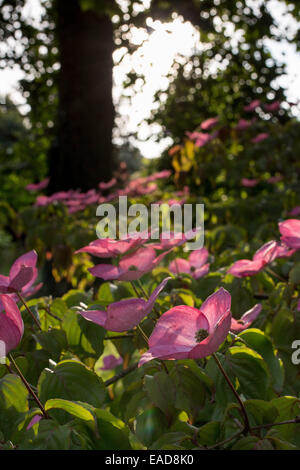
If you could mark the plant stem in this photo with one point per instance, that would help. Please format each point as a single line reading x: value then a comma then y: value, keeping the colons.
x: 28, y: 310
x: 270, y: 425
x: 147, y: 298
x: 143, y: 334
x: 128, y: 335
x: 218, y: 444
x: 122, y: 374
x: 270, y: 271
x: 242, y: 406
x: 47, y: 310
x: 142, y: 289
x: 135, y: 289
x: 254, y: 428
x: 34, y: 396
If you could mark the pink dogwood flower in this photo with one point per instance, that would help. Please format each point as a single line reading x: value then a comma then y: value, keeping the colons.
x: 131, y: 267
x: 22, y: 275
x: 33, y: 421
x: 260, y: 137
x: 200, y: 138
x: 125, y: 314
x: 290, y: 233
x: 295, y: 211
x: 110, y: 362
x: 272, y: 106
x: 283, y: 251
x: 195, y: 265
x: 249, y: 183
x: 11, y: 323
x: 242, y: 125
x: 246, y: 267
x: 173, y: 239
x: 246, y: 320
x: 38, y: 186
x: 252, y: 106
x: 188, y: 333
x: 107, y: 185
x: 209, y: 123
x: 274, y: 179
x: 110, y: 248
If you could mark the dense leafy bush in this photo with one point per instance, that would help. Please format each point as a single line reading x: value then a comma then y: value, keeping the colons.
x: 96, y: 379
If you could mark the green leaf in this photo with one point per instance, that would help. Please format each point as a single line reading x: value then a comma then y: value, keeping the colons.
x: 73, y: 298
x: 13, y: 404
x: 47, y: 435
x: 251, y: 372
x: 209, y: 433
x: 161, y: 391
x: 253, y: 443
x: 71, y: 380
x: 84, y: 338
x: 288, y: 408
x: 53, y: 341
x: 150, y: 425
x: 170, y: 441
x: 294, y: 276
x: 262, y: 344
x: 112, y: 432
x: 190, y: 388
x: 262, y: 412
x: 77, y: 409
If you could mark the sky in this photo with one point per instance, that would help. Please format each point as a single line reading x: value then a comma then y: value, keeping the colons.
x: 154, y: 58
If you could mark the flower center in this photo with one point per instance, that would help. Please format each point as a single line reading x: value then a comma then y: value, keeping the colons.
x: 201, y: 335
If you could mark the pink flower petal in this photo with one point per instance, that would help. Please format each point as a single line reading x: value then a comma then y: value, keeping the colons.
x: 107, y: 272
x: 152, y: 299
x: 209, y: 123
x: 34, y: 420
x: 295, y: 212
x: 22, y: 278
x: 110, y: 362
x: 201, y: 272
x: 242, y: 125
x: 198, y: 258
x: 252, y: 106
x: 290, y: 233
x: 215, y: 307
x: 249, y: 183
x: 95, y: 316
x: 38, y: 186
x: 125, y: 314
x: 23, y: 271
x: 140, y: 260
x: 272, y: 106
x: 11, y: 323
x: 245, y: 267
x: 267, y: 252
x: 246, y: 319
x: 214, y: 340
x: 4, y: 283
x: 260, y: 138
x: 180, y: 265
x: 174, y: 334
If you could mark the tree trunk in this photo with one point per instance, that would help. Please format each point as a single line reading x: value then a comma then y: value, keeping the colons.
x: 82, y: 155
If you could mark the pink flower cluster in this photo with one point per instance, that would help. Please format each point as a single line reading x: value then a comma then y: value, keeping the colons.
x: 136, y: 257
x: 76, y: 201
x: 290, y: 242
x: 270, y: 107
x: 196, y: 265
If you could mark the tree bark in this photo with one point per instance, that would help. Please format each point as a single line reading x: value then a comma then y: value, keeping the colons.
x: 82, y: 154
